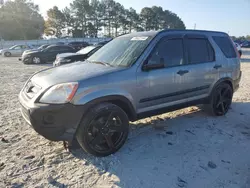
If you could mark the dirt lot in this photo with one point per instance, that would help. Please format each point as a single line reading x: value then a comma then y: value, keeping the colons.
x: 185, y: 148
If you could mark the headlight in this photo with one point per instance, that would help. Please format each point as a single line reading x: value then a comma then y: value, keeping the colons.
x: 26, y: 55
x: 64, y: 60
x: 60, y: 94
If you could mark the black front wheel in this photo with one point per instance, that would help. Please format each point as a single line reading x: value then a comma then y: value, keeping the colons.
x: 7, y: 54
x: 36, y: 60
x: 221, y: 100
x: 103, y: 130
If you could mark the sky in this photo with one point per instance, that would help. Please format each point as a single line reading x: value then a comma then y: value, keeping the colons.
x: 231, y: 16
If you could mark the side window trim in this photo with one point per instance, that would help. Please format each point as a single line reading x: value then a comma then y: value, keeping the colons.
x: 168, y: 38
x: 213, y: 51
x: 208, y: 43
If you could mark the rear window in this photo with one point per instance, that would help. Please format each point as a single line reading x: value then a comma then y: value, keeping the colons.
x: 200, y: 50
x: 226, y: 46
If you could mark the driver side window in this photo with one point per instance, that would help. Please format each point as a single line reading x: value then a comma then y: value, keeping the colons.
x: 168, y: 52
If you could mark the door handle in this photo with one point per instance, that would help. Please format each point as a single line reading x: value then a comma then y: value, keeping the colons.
x: 182, y: 72
x: 217, y: 66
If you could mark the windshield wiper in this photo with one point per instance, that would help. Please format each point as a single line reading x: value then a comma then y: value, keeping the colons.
x: 102, y: 63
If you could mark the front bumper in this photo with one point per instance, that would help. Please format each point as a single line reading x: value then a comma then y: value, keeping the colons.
x: 26, y: 60
x: 54, y: 122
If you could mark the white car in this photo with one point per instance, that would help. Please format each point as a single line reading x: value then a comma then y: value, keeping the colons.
x: 16, y: 50
x: 238, y: 48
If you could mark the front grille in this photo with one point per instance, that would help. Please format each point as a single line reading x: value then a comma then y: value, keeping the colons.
x: 31, y: 89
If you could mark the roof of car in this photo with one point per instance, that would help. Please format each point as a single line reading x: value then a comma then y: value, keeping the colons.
x: 58, y: 45
x: 154, y: 33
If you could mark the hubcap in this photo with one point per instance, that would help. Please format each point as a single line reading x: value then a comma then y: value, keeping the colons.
x: 105, y: 132
x: 223, y: 100
x: 36, y: 60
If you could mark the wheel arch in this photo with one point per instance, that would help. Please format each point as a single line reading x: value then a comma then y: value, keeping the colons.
x: 123, y: 102
x: 227, y: 80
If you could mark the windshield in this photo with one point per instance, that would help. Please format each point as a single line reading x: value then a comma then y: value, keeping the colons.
x: 122, y: 51
x: 42, y: 47
x: 86, y: 50
x: 11, y: 48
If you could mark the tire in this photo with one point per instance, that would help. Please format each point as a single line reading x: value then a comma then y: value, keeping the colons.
x: 7, y: 54
x: 220, y: 100
x: 240, y: 52
x: 98, y: 133
x: 36, y: 60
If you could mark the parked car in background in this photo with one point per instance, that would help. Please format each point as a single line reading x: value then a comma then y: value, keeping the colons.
x: 245, y: 44
x: 81, y: 55
x: 46, y: 55
x: 132, y: 77
x: 42, y: 47
x: 238, y: 48
x: 16, y: 50
x: 103, y: 42
x: 78, y: 45
x: 60, y: 43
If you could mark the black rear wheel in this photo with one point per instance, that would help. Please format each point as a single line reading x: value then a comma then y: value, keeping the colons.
x: 103, y: 130
x: 221, y: 100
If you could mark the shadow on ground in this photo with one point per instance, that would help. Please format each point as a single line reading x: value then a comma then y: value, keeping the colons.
x: 178, y: 150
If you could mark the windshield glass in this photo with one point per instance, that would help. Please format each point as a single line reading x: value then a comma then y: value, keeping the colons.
x: 11, y: 48
x: 122, y: 51
x: 42, y: 47
x: 86, y: 50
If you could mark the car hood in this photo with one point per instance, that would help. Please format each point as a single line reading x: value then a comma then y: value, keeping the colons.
x: 71, y: 73
x: 66, y: 55
x: 32, y: 52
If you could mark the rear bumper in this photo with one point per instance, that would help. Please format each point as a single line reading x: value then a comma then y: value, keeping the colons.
x: 236, y: 83
x: 54, y: 122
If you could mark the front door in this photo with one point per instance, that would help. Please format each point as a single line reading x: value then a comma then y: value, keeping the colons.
x: 16, y: 51
x: 52, y: 52
x: 164, y: 84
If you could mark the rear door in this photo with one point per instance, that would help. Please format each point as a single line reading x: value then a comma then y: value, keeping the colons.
x: 23, y: 48
x: 201, y: 70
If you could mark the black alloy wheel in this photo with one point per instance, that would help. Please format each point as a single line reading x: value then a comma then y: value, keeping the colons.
x: 104, y: 131
x: 222, y: 99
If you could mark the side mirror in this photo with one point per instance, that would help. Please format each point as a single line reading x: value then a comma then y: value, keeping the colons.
x: 152, y: 66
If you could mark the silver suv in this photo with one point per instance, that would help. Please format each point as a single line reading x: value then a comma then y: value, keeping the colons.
x: 132, y: 77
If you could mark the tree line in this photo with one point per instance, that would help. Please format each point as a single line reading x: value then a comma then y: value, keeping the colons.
x: 88, y: 18
x: 21, y: 20
x: 241, y: 38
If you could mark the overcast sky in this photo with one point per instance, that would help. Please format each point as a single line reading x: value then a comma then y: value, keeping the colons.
x: 222, y: 15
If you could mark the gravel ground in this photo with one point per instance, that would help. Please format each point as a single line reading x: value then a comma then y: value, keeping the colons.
x: 185, y: 148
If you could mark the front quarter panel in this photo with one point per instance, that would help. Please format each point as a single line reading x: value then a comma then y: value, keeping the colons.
x: 118, y: 84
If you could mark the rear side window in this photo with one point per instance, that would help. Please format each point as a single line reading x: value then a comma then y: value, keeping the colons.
x: 226, y: 46
x: 200, y: 50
